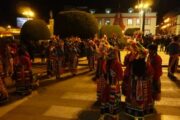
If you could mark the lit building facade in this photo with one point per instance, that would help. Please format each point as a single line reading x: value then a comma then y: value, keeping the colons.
x: 130, y: 20
x: 171, y: 24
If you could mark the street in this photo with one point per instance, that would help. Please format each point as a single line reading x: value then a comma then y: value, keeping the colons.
x: 74, y: 98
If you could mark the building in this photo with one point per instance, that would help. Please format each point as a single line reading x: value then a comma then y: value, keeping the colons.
x: 171, y: 23
x: 129, y: 20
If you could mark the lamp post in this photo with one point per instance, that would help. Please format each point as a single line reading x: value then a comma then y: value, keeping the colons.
x: 142, y: 9
x: 143, y: 22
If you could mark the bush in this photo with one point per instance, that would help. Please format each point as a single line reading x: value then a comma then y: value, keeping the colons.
x: 110, y: 31
x: 76, y: 23
x: 34, y: 30
x: 131, y: 31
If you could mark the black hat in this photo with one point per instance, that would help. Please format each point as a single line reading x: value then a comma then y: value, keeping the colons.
x: 153, y: 47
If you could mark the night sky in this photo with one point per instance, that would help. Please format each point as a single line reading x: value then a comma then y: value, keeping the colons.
x: 9, y: 9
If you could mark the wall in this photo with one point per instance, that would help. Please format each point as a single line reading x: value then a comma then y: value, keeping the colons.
x: 150, y: 28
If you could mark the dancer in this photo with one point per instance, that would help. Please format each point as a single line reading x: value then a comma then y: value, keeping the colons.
x: 137, y: 82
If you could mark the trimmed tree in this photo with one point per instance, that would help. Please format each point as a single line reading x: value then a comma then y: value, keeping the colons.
x: 76, y: 23
x: 110, y: 31
x: 31, y: 32
x: 131, y: 31
x: 34, y: 30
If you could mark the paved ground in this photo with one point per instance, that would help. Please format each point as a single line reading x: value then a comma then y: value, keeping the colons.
x: 74, y: 97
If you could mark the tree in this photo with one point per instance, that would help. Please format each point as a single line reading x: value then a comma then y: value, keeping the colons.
x: 34, y: 30
x: 76, y: 23
x: 31, y: 32
x: 111, y: 31
x: 131, y: 31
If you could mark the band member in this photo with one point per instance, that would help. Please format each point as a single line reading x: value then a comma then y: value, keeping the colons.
x: 137, y: 82
x: 114, y: 76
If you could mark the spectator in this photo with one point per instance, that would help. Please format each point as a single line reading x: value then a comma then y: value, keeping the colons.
x: 155, y: 61
x: 173, y: 50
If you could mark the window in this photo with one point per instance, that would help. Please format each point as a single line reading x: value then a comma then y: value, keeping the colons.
x: 137, y: 21
x: 107, y: 22
x: 147, y: 21
x: 107, y: 10
x: 92, y: 11
x: 99, y: 21
x: 147, y: 31
x: 129, y: 21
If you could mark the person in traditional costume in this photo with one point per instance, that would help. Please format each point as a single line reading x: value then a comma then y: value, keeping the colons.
x: 91, y: 48
x: 3, y: 91
x: 59, y: 58
x: 23, y: 72
x: 73, y: 56
x: 51, y: 59
x: 100, y: 76
x: 7, y: 60
x: 108, y: 75
x: 114, y: 76
x: 137, y: 82
x: 156, y: 62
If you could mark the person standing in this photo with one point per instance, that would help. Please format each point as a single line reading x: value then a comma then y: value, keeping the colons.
x: 91, y: 48
x: 100, y: 76
x: 59, y: 58
x: 114, y: 76
x: 51, y: 56
x: 136, y: 84
x: 174, y: 52
x: 43, y: 51
x: 3, y: 91
x: 156, y: 62
x: 23, y: 72
x: 7, y: 60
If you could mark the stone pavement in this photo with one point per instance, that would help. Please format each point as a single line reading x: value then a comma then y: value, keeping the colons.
x: 74, y: 98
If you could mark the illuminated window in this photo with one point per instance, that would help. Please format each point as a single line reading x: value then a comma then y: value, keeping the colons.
x: 92, y: 11
x: 107, y: 22
x: 130, y: 10
x: 99, y: 21
x: 147, y: 21
x: 147, y: 31
x: 108, y: 10
x: 129, y: 21
x: 138, y: 21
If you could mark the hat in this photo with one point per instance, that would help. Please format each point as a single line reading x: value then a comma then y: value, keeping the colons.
x: 152, y: 47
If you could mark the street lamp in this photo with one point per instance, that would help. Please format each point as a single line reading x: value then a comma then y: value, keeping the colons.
x: 142, y: 10
x: 28, y: 13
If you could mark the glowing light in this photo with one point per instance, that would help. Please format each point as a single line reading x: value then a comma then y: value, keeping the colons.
x: 167, y: 20
x: 141, y: 12
x: 146, y: 5
x: 142, y: 6
x: 28, y: 13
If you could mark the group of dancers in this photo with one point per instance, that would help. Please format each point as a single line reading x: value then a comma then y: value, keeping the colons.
x: 139, y: 81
